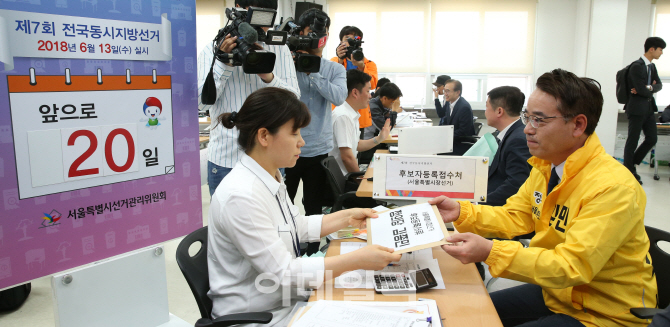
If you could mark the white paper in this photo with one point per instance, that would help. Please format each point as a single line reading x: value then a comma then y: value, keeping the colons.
x: 408, y: 262
x: 406, y: 227
x: 335, y: 314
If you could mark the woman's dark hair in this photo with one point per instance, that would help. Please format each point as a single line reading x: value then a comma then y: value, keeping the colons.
x: 269, y: 108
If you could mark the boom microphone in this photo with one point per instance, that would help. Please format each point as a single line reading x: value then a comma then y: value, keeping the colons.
x: 248, y: 33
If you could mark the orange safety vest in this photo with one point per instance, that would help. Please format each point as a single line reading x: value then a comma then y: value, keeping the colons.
x: 371, y: 69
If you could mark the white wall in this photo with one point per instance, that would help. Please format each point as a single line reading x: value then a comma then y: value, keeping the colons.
x: 604, y: 58
x: 638, y: 25
x: 555, y: 36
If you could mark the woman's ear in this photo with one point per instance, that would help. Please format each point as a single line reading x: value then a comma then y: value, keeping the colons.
x: 262, y: 137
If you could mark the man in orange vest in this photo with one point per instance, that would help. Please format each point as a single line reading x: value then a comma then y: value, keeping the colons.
x: 364, y: 65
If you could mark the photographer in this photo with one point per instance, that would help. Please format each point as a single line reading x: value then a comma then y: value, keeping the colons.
x: 233, y: 86
x: 345, y: 58
x: 318, y: 91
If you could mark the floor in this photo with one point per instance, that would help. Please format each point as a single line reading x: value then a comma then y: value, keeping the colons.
x: 38, y: 309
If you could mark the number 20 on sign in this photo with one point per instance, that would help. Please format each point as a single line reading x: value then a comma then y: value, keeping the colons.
x: 98, y: 151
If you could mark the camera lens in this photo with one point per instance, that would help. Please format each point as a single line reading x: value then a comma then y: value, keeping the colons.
x: 253, y: 58
x: 357, y: 54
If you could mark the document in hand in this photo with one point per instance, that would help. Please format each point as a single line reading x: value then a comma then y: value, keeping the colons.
x: 408, y: 228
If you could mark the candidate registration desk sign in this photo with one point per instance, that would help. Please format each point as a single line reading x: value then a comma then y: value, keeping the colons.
x: 77, y: 132
x: 408, y: 177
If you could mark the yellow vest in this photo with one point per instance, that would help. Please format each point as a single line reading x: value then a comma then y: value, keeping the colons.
x: 590, y: 250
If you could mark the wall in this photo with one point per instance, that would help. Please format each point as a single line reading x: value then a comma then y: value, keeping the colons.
x: 604, y: 58
x: 555, y: 36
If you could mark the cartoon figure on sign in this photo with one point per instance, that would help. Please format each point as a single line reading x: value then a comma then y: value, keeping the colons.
x: 152, y: 109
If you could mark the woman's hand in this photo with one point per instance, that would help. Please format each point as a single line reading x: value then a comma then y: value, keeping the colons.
x: 374, y: 257
x: 357, y: 217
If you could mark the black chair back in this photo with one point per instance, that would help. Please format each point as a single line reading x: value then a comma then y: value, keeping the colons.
x: 194, y: 269
x: 336, y: 180
x: 478, y: 127
x: 661, y: 262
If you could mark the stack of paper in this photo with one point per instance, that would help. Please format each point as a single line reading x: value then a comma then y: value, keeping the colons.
x: 368, y: 314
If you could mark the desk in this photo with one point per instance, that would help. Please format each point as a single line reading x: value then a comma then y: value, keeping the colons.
x: 464, y: 302
x: 204, y: 140
x: 391, y: 140
x: 365, y: 187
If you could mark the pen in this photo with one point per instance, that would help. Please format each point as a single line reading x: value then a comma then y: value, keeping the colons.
x: 393, y: 265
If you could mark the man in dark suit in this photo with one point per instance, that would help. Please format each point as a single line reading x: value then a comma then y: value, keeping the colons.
x: 509, y: 169
x: 644, y: 82
x: 461, y: 117
x: 441, y: 105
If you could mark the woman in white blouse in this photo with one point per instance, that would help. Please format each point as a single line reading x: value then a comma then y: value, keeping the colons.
x: 255, y: 231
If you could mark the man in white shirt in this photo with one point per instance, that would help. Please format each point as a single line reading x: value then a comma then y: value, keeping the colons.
x: 233, y: 86
x: 346, y: 130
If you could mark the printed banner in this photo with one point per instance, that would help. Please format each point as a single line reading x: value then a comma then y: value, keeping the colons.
x: 430, y: 177
x: 99, y: 150
x: 30, y: 34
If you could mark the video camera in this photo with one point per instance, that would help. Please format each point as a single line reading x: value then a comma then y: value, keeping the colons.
x: 315, y: 39
x: 354, y: 49
x: 247, y: 26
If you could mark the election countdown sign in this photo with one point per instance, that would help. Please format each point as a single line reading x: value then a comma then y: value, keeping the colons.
x: 76, y: 132
x: 428, y: 176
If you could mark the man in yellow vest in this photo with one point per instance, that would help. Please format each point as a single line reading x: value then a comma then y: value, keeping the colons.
x: 362, y: 64
x: 588, y: 262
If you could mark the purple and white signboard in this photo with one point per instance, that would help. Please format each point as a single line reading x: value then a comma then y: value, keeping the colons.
x: 99, y: 151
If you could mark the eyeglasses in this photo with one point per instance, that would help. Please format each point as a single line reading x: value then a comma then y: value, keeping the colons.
x: 535, y: 121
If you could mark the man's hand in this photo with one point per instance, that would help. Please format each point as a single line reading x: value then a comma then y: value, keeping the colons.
x: 341, y: 52
x: 386, y: 131
x: 227, y: 46
x: 435, y: 93
x: 473, y: 248
x: 653, y: 83
x: 396, y: 105
x: 267, y: 78
x: 359, y: 64
x: 449, y: 209
x: 633, y: 91
x: 357, y: 217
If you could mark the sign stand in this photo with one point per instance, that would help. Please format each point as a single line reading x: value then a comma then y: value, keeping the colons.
x: 130, y: 291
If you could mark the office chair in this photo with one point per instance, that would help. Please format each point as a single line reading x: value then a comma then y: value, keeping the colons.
x: 478, y: 127
x: 338, y: 182
x: 661, y: 262
x: 195, y: 271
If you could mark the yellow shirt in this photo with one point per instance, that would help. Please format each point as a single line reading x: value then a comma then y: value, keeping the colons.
x: 590, y: 251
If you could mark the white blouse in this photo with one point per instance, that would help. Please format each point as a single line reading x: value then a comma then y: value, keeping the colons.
x: 254, y: 235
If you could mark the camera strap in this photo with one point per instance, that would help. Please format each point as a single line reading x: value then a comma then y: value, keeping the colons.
x: 208, y: 95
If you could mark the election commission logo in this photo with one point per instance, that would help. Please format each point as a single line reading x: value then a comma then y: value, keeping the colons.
x: 51, y: 219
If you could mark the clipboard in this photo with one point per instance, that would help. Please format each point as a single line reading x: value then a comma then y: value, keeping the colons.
x: 443, y: 228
